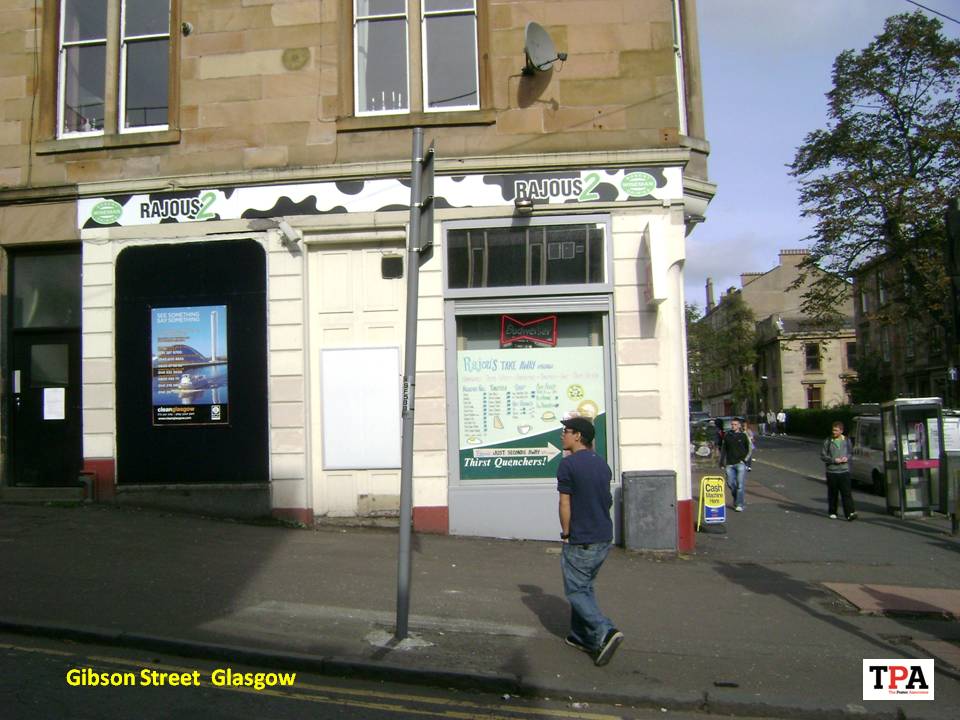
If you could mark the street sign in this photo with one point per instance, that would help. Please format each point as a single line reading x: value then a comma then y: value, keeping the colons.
x: 713, y: 508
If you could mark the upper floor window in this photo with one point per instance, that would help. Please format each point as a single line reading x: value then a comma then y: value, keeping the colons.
x: 812, y: 355
x: 88, y: 75
x: 851, y: 355
x: 426, y: 65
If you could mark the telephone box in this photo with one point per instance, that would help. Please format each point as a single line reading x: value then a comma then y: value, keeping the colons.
x: 913, y: 453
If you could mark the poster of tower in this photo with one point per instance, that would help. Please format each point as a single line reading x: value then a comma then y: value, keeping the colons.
x: 190, y: 365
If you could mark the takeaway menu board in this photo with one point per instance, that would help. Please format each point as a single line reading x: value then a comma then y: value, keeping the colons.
x: 511, y: 402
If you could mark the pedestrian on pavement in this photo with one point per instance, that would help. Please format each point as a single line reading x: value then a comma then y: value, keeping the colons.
x: 771, y: 422
x: 735, y: 451
x: 583, y: 480
x: 836, y: 453
x: 782, y: 422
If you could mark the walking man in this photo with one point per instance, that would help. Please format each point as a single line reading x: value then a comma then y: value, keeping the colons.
x: 836, y: 454
x: 583, y: 480
x: 782, y: 422
x: 735, y: 452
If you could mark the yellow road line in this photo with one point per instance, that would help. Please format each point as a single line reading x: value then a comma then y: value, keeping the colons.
x: 43, y: 651
x: 459, y: 705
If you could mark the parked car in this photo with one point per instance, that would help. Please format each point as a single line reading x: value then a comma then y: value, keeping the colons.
x: 866, y: 465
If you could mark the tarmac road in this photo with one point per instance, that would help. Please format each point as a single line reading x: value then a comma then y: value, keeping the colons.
x: 34, y: 685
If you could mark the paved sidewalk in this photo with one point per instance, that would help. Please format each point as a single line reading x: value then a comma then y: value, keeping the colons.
x: 744, y: 626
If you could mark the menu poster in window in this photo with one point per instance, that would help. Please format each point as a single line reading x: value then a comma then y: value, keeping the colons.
x: 190, y: 365
x: 512, y: 401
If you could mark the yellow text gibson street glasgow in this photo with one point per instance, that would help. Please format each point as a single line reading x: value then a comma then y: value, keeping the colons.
x: 221, y: 677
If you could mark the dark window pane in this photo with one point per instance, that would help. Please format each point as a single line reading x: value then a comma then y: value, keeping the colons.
x: 84, y: 71
x: 434, y: 5
x: 382, y: 65
x: 84, y: 20
x: 458, y: 259
x: 146, y: 17
x: 380, y: 7
x: 506, y: 258
x: 536, y: 262
x: 567, y: 255
x: 595, y: 256
x: 500, y: 257
x: 49, y: 365
x: 46, y: 291
x: 451, y: 61
x: 146, y: 88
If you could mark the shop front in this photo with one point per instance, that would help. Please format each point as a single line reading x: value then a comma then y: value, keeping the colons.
x: 529, y: 305
x: 270, y: 319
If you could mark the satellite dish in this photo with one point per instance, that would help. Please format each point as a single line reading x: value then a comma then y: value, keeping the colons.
x: 539, y: 48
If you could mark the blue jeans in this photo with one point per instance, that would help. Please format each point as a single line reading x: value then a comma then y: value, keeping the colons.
x: 580, y: 565
x: 737, y: 482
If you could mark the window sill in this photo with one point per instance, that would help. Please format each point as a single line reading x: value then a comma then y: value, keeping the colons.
x: 418, y: 119
x: 106, y: 142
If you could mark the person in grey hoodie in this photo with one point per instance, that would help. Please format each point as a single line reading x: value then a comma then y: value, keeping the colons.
x: 836, y: 454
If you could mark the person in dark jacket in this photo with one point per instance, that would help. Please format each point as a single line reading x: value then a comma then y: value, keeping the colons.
x: 836, y: 454
x: 735, y: 452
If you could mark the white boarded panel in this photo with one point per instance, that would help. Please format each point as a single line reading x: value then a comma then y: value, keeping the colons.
x: 361, y: 408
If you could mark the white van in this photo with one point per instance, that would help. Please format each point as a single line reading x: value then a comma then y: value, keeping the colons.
x: 866, y: 465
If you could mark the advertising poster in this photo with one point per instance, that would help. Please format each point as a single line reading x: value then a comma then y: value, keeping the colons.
x: 190, y: 365
x: 511, y: 404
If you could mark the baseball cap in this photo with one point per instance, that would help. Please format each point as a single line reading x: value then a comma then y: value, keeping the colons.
x: 582, y: 426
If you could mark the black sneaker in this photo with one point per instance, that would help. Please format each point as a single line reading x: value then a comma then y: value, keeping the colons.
x: 574, y: 643
x: 608, y: 647
x: 852, y: 516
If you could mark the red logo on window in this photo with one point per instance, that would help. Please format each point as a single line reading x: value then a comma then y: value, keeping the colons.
x: 542, y: 331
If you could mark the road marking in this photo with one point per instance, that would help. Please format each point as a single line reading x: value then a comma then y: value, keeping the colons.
x: 457, y: 709
x: 43, y: 651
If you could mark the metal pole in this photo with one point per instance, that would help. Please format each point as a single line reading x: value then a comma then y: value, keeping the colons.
x: 409, y: 390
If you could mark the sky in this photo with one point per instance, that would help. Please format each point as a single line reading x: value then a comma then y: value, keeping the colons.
x: 766, y: 67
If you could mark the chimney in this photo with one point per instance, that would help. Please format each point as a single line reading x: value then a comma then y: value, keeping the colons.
x: 792, y: 257
x: 710, y: 303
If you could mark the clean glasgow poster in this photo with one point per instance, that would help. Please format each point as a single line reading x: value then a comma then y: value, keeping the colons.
x: 190, y: 365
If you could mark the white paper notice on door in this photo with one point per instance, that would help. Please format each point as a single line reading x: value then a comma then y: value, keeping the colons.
x: 54, y: 403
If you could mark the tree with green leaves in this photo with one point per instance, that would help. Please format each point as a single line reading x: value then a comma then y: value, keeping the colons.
x: 877, y: 179
x: 727, y: 347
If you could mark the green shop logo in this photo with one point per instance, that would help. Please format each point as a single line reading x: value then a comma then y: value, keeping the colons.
x: 638, y: 184
x: 106, y: 212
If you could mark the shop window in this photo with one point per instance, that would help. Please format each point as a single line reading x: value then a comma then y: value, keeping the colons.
x: 812, y: 356
x: 525, y: 256
x: 128, y: 59
x: 415, y: 56
x: 814, y: 397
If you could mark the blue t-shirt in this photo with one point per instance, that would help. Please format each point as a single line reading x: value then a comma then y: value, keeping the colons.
x: 585, y: 477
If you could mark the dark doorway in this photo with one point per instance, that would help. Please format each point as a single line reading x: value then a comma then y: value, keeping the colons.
x: 45, y: 399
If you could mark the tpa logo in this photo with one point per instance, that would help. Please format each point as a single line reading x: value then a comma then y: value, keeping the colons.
x: 904, y: 679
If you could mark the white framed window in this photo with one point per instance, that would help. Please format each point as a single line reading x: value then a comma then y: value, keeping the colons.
x: 391, y: 77
x: 144, y: 64
x: 82, y: 67
x: 451, y: 78
x: 100, y: 59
